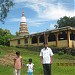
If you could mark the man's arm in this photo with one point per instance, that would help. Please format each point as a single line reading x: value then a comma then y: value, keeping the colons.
x: 51, y: 54
x: 51, y: 60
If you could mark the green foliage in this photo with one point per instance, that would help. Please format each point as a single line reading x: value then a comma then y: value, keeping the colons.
x: 64, y: 57
x: 60, y: 53
x: 5, y: 35
x: 5, y: 6
x: 17, y: 33
x: 66, y: 21
x: 0, y: 52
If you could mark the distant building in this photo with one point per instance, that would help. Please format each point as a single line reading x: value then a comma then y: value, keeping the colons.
x: 61, y: 37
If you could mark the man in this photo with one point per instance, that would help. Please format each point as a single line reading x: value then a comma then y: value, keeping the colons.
x: 46, y: 59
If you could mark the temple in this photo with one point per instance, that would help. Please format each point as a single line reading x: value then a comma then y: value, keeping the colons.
x: 23, y: 26
x: 61, y: 37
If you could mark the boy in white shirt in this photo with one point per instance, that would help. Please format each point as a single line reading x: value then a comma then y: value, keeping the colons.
x: 30, y: 66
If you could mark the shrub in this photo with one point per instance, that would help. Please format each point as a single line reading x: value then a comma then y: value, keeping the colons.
x: 60, y: 53
x: 73, y: 52
x: 0, y: 52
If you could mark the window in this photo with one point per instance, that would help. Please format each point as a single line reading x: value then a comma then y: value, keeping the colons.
x: 62, y: 36
x: 25, y: 40
x: 51, y: 37
x: 72, y: 36
x: 34, y: 39
x: 18, y: 41
x: 41, y: 39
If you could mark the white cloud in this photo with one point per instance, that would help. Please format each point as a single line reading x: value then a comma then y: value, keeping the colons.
x: 52, y: 26
x: 33, y: 32
x: 45, y: 9
x: 35, y: 23
x: 30, y: 22
x: 15, y: 19
x: 18, y: 1
x: 55, y: 12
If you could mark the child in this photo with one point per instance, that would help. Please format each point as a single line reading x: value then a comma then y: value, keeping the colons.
x: 17, y: 63
x: 30, y: 66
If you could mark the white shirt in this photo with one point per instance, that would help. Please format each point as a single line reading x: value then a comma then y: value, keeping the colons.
x: 46, y: 53
x: 30, y: 67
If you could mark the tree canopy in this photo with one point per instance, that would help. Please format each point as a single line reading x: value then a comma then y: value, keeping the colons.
x: 17, y: 33
x: 5, y: 6
x: 5, y: 35
x: 66, y: 21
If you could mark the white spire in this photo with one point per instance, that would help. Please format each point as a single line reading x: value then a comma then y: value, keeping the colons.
x: 22, y: 12
x: 23, y: 18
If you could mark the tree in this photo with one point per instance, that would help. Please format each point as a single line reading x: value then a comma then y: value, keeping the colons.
x: 5, y: 35
x: 66, y: 21
x: 5, y: 6
x: 56, y: 26
x: 17, y: 33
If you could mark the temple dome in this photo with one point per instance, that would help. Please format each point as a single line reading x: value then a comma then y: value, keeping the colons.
x: 23, y: 19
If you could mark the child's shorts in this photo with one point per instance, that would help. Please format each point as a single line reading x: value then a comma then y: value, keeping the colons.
x: 30, y: 73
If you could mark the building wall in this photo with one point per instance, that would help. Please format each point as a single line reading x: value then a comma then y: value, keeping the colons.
x: 52, y: 43
x: 70, y: 43
x: 22, y: 41
x: 38, y: 44
x: 13, y: 43
x: 62, y: 43
x: 74, y: 44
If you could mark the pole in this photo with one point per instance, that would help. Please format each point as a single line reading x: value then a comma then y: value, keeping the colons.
x: 44, y: 37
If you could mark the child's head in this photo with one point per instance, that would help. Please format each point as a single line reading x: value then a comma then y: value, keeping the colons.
x: 30, y: 60
x: 18, y: 53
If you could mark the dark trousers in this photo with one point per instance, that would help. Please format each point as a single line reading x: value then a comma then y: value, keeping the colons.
x: 47, y: 69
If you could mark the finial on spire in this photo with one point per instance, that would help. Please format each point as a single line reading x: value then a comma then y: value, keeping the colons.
x: 22, y: 12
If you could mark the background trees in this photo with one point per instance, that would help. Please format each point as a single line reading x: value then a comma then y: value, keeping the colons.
x: 17, y: 33
x: 66, y: 21
x: 5, y: 6
x: 5, y: 35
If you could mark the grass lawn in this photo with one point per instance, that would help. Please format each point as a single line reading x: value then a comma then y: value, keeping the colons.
x: 38, y: 70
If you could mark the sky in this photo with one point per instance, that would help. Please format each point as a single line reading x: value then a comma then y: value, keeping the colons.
x: 41, y: 15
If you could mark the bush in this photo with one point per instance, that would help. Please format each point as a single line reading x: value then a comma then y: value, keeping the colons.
x: 60, y: 53
x: 0, y: 52
x: 73, y: 52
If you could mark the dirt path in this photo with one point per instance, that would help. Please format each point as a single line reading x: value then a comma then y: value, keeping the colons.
x: 7, y: 59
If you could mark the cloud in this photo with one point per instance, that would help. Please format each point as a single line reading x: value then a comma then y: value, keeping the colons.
x: 30, y: 22
x: 35, y: 23
x: 52, y: 26
x: 15, y: 19
x: 33, y: 32
x: 19, y: 1
x: 48, y: 10
x: 55, y: 12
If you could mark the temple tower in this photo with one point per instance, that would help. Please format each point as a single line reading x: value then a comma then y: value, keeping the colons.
x: 23, y: 26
